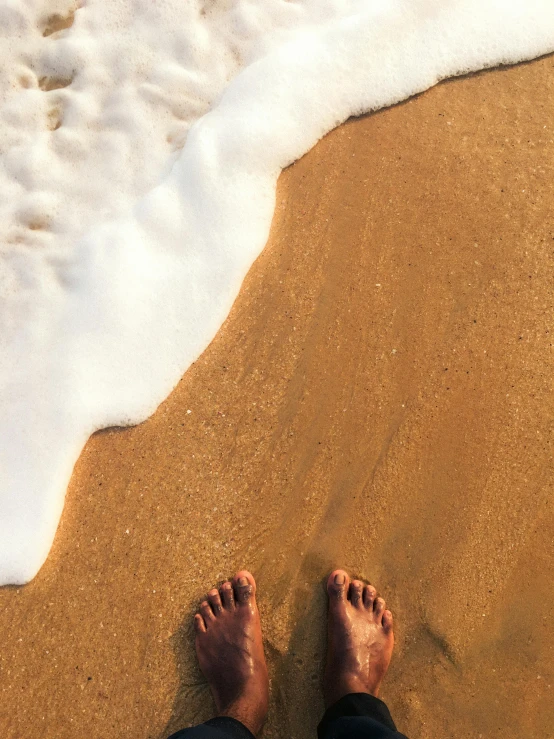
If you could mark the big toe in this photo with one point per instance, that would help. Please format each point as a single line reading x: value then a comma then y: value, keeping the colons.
x: 337, y: 586
x: 244, y: 586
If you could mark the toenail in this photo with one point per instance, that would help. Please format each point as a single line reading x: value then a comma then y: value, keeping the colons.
x: 339, y: 579
x: 243, y: 581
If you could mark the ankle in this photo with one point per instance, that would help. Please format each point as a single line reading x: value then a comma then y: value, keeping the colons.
x: 253, y: 717
x: 347, y: 686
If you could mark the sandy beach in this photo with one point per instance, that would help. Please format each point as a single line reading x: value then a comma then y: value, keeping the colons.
x: 379, y: 399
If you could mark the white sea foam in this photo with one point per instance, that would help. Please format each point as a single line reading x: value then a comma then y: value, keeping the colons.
x: 138, y: 190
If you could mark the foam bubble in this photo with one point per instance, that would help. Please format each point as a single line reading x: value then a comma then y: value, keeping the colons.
x: 140, y: 146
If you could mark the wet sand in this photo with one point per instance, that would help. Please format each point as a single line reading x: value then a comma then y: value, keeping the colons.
x: 379, y: 399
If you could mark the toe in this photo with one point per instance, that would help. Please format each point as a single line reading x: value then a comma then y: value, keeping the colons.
x: 215, y: 602
x: 387, y: 622
x: 355, y: 593
x: 199, y: 625
x: 378, y: 608
x: 227, y: 595
x: 244, y: 586
x: 369, y: 596
x: 206, y: 612
x: 337, y: 586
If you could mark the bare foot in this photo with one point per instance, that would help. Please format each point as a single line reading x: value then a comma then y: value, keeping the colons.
x: 230, y: 651
x: 359, y: 641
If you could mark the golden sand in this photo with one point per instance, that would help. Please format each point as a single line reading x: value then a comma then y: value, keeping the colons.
x: 379, y: 399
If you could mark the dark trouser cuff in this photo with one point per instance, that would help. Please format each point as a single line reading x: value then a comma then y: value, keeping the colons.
x: 231, y: 726
x: 355, y: 704
x: 221, y: 727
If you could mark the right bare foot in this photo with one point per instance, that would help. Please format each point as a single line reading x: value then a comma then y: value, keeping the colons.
x: 230, y: 651
x: 360, y: 638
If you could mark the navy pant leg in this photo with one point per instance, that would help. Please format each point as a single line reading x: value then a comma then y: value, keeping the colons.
x: 355, y: 716
x: 358, y: 716
x: 221, y: 727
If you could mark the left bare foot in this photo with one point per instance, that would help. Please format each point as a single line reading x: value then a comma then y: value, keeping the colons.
x: 230, y: 651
